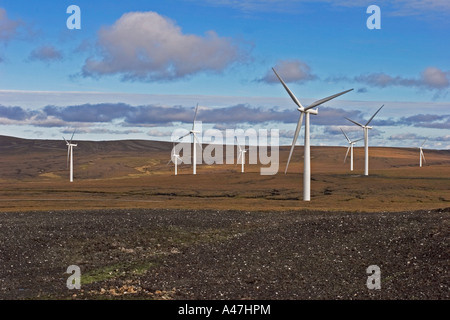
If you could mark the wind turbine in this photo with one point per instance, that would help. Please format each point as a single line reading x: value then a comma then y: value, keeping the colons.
x: 175, y: 158
x: 242, y: 152
x: 70, y: 146
x: 308, y: 110
x: 421, y: 153
x: 194, y: 140
x: 366, y: 139
x: 350, y: 148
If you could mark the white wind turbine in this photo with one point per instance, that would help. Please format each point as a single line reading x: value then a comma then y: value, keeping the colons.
x: 366, y: 140
x: 194, y: 141
x: 350, y: 148
x: 421, y: 155
x: 308, y: 110
x: 70, y: 146
x: 175, y: 159
x: 242, y: 152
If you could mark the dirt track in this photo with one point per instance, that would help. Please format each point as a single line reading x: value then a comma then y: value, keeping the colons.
x: 180, y: 254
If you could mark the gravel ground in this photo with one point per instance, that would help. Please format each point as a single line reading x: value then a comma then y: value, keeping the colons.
x: 204, y: 254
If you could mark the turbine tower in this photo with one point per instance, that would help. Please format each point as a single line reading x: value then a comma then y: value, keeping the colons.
x: 70, y: 146
x: 350, y: 148
x: 305, y: 111
x: 366, y: 140
x: 242, y: 152
x: 421, y: 155
x: 175, y: 158
x: 194, y: 141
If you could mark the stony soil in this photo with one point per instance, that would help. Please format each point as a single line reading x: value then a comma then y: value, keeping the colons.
x: 207, y: 254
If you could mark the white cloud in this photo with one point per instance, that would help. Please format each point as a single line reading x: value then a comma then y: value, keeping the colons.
x: 8, y: 27
x: 431, y: 78
x: 290, y: 71
x: 46, y: 53
x: 146, y: 46
x: 435, y: 78
x: 406, y: 136
x: 159, y: 133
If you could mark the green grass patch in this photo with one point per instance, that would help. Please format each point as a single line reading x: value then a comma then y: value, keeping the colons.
x: 116, y: 271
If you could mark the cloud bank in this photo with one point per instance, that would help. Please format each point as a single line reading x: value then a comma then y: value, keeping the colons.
x: 126, y: 115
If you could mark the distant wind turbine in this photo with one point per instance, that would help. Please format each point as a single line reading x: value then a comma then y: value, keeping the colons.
x: 421, y: 154
x: 175, y: 158
x: 242, y: 152
x: 350, y: 148
x: 194, y: 141
x: 366, y: 140
x: 308, y: 110
x: 70, y: 146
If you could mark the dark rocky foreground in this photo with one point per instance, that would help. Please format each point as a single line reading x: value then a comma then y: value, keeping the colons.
x: 170, y: 254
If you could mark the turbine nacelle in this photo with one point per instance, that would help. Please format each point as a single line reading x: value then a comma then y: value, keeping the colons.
x: 311, y: 111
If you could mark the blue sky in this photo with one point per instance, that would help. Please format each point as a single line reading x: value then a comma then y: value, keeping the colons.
x: 136, y: 69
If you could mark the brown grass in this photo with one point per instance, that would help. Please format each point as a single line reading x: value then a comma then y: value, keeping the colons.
x: 132, y: 174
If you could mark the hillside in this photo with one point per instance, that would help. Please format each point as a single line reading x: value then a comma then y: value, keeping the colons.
x: 136, y: 173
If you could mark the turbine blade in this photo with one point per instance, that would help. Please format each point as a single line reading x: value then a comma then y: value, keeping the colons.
x: 237, y: 161
x: 357, y: 123
x: 423, y: 156
x: 345, y: 135
x: 374, y: 115
x: 297, y: 131
x: 357, y: 140
x: 172, y: 155
x: 424, y: 143
x: 68, y: 155
x: 184, y: 136
x: 293, y: 97
x: 196, y: 139
x: 318, y: 102
x: 173, y: 150
x: 237, y: 142
x: 72, y: 135
x: 195, y: 117
x: 348, y: 149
